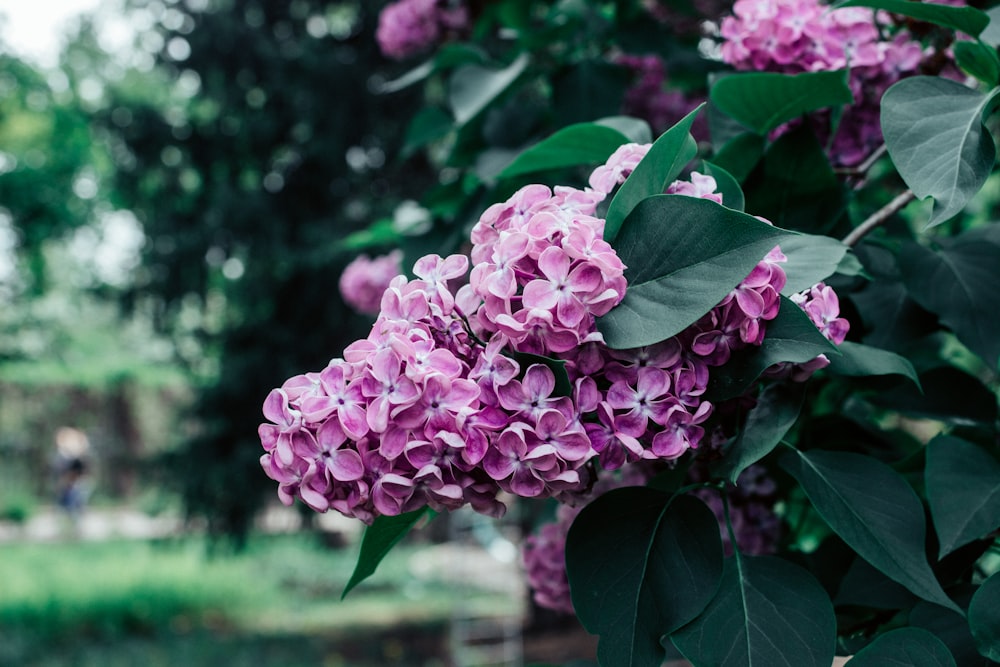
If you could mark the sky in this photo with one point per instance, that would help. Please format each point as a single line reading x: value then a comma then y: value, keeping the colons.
x: 34, y: 28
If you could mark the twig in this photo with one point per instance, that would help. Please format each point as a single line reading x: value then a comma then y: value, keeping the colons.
x: 863, y: 168
x: 878, y: 217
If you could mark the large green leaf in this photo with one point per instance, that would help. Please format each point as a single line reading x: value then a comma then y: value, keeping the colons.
x: 473, y: 87
x: 874, y: 510
x: 379, y: 539
x: 641, y: 565
x: 979, y: 60
x: 957, y: 283
x: 933, y: 128
x: 963, y: 489
x: 904, y: 647
x: 949, y: 394
x: 811, y: 258
x: 967, y: 19
x: 768, y: 612
x: 583, y: 143
x: 791, y: 337
x: 740, y: 154
x: 661, y: 165
x: 865, y: 586
x: 684, y: 255
x: 856, y: 359
x: 764, y: 100
x: 984, y: 618
x: 777, y: 408
x: 952, y: 628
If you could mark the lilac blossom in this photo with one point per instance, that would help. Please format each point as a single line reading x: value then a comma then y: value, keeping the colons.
x: 365, y: 279
x: 409, y: 27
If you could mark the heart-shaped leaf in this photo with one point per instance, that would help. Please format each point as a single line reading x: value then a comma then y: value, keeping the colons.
x: 904, y: 647
x: 933, y: 128
x: 764, y: 100
x: 641, y: 565
x: 684, y: 255
x: 767, y: 612
x: 874, y: 510
x: 963, y: 489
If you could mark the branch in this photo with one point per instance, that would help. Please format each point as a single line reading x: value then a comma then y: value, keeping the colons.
x: 863, y: 168
x: 878, y: 217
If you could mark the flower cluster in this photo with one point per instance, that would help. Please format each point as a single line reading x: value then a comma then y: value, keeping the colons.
x: 408, y: 27
x: 822, y: 306
x: 793, y: 36
x: 652, y: 99
x: 365, y: 279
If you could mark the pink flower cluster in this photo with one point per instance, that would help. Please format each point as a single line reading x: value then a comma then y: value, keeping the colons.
x: 793, y: 36
x: 822, y: 306
x: 365, y: 279
x: 652, y: 99
x: 409, y: 27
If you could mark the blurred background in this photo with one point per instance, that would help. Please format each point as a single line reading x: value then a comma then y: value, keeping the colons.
x: 177, y: 178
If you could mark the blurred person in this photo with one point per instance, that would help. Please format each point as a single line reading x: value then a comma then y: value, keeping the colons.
x: 71, y: 471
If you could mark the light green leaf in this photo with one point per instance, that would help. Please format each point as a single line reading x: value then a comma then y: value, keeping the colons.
x: 764, y: 100
x: 874, y: 510
x: 661, y: 165
x: 991, y: 35
x: 684, y: 255
x: 473, y: 87
x: 967, y: 19
x: 636, y: 129
x: 933, y: 128
x: 767, y: 612
x: 856, y: 359
x: 379, y: 539
x: 984, y: 618
x: 963, y: 490
x: 904, y: 647
x: 811, y: 258
x: 640, y: 565
x: 583, y: 143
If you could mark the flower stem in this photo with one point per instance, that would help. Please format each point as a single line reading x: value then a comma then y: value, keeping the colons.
x: 879, y: 217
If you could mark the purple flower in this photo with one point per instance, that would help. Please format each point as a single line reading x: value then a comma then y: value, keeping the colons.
x: 364, y: 280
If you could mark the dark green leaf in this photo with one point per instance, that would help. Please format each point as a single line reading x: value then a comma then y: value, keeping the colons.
x: 473, y: 87
x: 904, y: 647
x: 865, y: 586
x: 874, y: 510
x: 429, y: 124
x: 963, y: 489
x: 791, y: 337
x: 740, y: 155
x: 767, y: 423
x: 661, y: 165
x: 933, y: 128
x: 767, y: 612
x: 979, y: 60
x: 811, y: 258
x: 726, y: 185
x: 858, y: 360
x: 684, y: 255
x: 967, y: 19
x: 640, y: 566
x: 948, y: 395
x: 379, y: 539
x: 558, y: 367
x: 984, y: 617
x: 636, y: 129
x: 764, y: 100
x: 588, y: 89
x: 583, y: 143
x: 952, y: 628
x: 956, y: 283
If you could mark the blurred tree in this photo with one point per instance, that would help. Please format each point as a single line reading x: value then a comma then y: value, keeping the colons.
x: 268, y: 150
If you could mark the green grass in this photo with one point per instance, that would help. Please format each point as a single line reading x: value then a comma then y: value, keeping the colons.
x: 98, y: 603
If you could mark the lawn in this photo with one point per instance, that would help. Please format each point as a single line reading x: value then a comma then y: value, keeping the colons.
x: 168, y: 603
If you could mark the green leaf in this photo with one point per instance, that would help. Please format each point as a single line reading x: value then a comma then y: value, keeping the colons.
x: 957, y: 283
x: 777, y: 409
x: 933, y: 128
x: 740, y: 155
x: 859, y: 360
x: 636, y: 129
x: 791, y: 337
x: 684, y: 255
x: 967, y: 19
x: 984, y: 618
x: 583, y: 143
x: 949, y: 394
x: 473, y: 87
x: 991, y: 35
x: 874, y: 510
x: 429, y: 124
x: 764, y: 100
x: 863, y: 585
x: 640, y: 565
x: 558, y: 367
x: 379, y: 539
x: 811, y: 258
x: 963, y: 489
x: 951, y: 628
x: 661, y: 165
x: 767, y: 612
x: 979, y: 60
x: 904, y: 647
x: 726, y: 185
